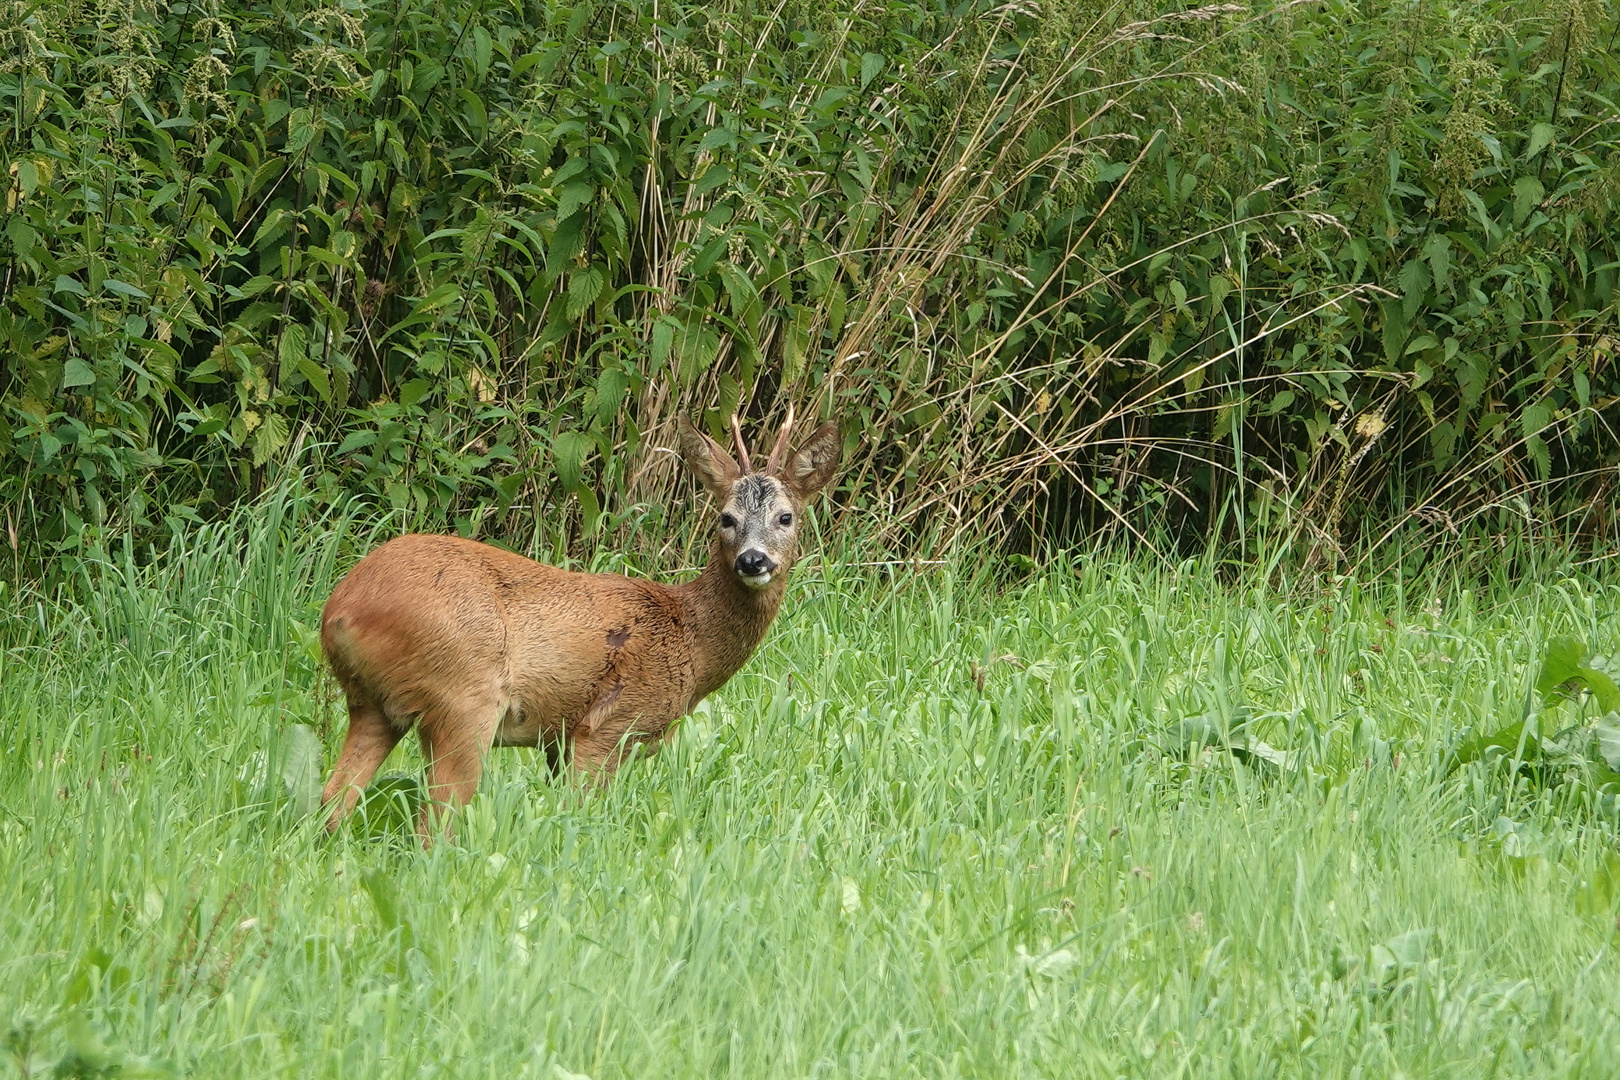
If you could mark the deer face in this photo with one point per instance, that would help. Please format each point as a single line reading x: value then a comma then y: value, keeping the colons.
x: 759, y: 528
x: 759, y: 510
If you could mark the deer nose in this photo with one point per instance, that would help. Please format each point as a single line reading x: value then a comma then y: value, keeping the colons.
x: 755, y: 563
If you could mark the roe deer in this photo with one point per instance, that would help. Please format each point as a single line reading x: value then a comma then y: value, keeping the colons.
x: 477, y: 646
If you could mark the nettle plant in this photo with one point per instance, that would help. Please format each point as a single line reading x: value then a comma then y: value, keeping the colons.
x: 1072, y: 266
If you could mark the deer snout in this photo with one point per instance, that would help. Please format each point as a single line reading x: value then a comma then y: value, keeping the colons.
x: 755, y: 567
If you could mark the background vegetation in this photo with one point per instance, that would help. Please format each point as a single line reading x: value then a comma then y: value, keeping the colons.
x: 1326, y: 267
x: 1119, y: 820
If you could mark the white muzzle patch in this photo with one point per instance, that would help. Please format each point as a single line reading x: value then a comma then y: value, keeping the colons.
x: 758, y: 581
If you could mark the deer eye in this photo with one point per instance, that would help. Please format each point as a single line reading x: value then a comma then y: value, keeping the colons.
x: 785, y: 520
x: 727, y: 521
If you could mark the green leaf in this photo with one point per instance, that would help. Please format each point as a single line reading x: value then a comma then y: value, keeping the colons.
x: 269, y: 438
x: 1535, y: 418
x: 317, y: 377
x: 123, y: 288
x: 708, y: 256
x: 568, y: 452
x: 384, y: 893
x: 1563, y: 660
x: 1527, y: 195
x: 300, y: 130
x: 718, y: 137
x: 591, y: 509
x: 871, y: 64
x: 1437, y: 249
x: 796, y: 344
x: 301, y: 769
x: 1411, y: 948
x: 663, y: 341
x: 1421, y: 374
x: 1414, y: 282
x: 1507, y: 740
x: 611, y: 385
x: 1486, y: 222
x: 1601, y: 687
x: 356, y: 440
x: 1158, y: 346
x: 442, y: 296
x: 1541, y: 137
x: 712, y: 177
x: 88, y: 1053
x: 1394, y: 330
x: 390, y: 806
x: 27, y: 177
x: 411, y: 394
x: 584, y: 286
x: 1606, y: 733
x: 573, y: 197
x: 292, y: 347
x: 1253, y: 750
x: 77, y: 373
x: 698, y: 347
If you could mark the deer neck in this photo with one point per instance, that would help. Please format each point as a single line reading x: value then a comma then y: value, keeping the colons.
x: 727, y: 620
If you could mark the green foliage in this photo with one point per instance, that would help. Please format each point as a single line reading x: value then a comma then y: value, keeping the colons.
x: 1459, y: 168
x: 1585, y: 754
x: 1089, y: 262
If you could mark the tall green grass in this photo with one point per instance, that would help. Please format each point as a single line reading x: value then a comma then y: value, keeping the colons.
x: 942, y: 825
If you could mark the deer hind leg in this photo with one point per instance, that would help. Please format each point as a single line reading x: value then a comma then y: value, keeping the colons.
x: 371, y: 736
x: 456, y: 735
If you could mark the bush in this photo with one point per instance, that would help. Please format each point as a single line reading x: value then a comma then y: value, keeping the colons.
x: 1057, y: 268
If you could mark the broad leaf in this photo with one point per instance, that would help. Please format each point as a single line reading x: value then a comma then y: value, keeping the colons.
x: 1606, y: 734
x: 301, y: 769
x: 1601, y: 687
x: 77, y: 373
x: 1541, y: 137
x: 568, y: 452
x: 1563, y: 660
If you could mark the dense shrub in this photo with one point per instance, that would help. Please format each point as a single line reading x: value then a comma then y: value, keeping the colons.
x: 1058, y: 267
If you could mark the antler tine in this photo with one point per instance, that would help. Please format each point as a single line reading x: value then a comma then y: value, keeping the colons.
x: 774, y: 462
x: 742, y: 449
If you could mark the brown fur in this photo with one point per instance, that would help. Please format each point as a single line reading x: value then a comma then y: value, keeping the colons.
x: 476, y: 646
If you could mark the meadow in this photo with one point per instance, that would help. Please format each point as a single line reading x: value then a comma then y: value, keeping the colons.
x: 1111, y: 817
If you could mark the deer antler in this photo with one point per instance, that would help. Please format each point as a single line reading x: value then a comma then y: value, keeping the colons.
x: 742, y: 449
x: 774, y: 462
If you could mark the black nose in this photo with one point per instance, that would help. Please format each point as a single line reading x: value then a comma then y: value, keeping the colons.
x: 754, y: 562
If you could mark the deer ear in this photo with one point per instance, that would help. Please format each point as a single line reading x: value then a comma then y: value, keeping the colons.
x: 715, y: 469
x: 811, y: 468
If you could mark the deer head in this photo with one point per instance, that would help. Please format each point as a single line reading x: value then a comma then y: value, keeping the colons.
x: 758, y: 536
